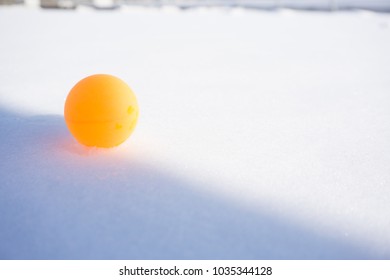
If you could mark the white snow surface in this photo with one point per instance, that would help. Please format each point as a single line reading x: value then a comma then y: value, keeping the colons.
x: 262, y: 135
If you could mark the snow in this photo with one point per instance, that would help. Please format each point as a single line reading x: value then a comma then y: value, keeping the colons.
x: 262, y: 135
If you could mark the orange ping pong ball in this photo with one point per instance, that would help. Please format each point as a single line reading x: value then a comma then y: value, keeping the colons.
x: 101, y: 110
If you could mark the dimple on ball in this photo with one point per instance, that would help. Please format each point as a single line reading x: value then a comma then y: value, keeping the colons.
x: 101, y: 111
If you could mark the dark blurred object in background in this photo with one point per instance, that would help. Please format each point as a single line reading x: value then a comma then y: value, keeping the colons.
x: 72, y: 4
x: 58, y: 4
x: 11, y: 2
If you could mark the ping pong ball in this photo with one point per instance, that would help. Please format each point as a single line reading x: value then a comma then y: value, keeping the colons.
x: 101, y: 110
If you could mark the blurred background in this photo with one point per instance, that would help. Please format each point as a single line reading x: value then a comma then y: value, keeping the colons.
x: 320, y: 5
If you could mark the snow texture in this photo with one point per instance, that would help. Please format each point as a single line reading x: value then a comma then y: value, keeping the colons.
x: 262, y: 135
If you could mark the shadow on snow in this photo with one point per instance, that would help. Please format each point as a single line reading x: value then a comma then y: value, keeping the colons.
x: 58, y: 202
